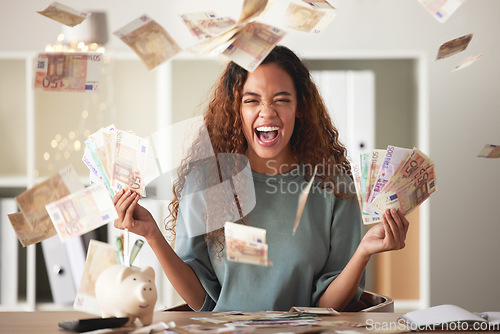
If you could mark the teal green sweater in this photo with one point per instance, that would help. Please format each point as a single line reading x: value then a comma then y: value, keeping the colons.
x: 303, y: 265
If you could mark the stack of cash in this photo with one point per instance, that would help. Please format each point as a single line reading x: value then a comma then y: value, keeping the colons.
x: 394, y: 178
x: 117, y: 159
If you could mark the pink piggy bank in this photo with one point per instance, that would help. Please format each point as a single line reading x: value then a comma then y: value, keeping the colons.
x: 123, y: 291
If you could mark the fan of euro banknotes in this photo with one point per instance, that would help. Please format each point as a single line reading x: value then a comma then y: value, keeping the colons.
x: 117, y: 159
x: 397, y: 177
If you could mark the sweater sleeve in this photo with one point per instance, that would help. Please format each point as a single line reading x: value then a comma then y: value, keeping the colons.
x: 345, y: 236
x: 194, y: 252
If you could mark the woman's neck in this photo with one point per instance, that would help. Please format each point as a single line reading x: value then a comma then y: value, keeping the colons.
x: 278, y: 165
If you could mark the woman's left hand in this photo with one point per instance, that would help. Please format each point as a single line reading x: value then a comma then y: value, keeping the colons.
x: 388, y: 235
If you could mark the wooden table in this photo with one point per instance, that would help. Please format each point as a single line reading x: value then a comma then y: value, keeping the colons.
x: 45, y: 322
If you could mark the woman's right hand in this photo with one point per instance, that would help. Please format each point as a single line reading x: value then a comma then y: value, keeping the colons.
x: 133, y: 216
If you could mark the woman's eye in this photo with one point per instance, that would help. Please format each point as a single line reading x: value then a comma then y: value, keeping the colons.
x: 281, y: 101
x: 251, y: 102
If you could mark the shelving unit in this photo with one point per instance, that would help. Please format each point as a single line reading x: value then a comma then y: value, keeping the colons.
x: 44, y: 131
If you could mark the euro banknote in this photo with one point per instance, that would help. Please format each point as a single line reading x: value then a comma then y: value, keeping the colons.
x: 149, y: 40
x: 82, y: 211
x: 207, y: 24
x: 246, y: 244
x: 32, y: 201
x: 253, y: 44
x: 441, y: 10
x: 64, y: 14
x: 68, y: 71
x: 454, y: 46
x: 405, y: 179
x: 302, y: 200
x: 467, y: 62
x: 490, y: 151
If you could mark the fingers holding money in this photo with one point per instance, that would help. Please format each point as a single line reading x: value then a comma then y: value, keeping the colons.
x: 125, y: 203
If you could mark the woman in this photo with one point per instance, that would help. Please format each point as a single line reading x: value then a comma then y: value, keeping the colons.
x: 276, y: 118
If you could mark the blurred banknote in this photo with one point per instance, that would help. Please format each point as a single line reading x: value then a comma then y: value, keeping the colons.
x: 81, y: 212
x: 100, y: 256
x: 149, y: 40
x: 251, y: 9
x: 64, y: 14
x: 253, y: 44
x: 375, y: 162
x: 441, y: 10
x: 490, y: 151
x: 313, y: 16
x: 206, y: 24
x: 68, y: 71
x: 302, y: 200
x: 32, y: 201
x: 467, y: 62
x: 25, y: 234
x: 454, y: 46
x: 246, y: 244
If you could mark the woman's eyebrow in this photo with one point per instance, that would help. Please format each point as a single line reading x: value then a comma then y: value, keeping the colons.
x: 251, y: 94
x: 277, y: 94
x: 283, y: 93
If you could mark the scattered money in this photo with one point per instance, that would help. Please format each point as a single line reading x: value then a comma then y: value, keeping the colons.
x: 149, y: 41
x: 405, y: 179
x: 206, y: 24
x: 251, y: 9
x: 490, y: 151
x: 454, y: 46
x: 441, y: 10
x: 253, y: 44
x: 314, y: 310
x: 68, y: 71
x: 25, y: 234
x: 81, y: 212
x: 64, y: 14
x: 32, y: 201
x: 100, y: 256
x: 246, y: 244
x: 302, y: 200
x: 467, y: 62
x: 313, y: 16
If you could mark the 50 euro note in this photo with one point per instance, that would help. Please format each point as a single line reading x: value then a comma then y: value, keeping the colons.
x: 375, y: 162
x: 207, y: 24
x: 149, y: 40
x: 64, y: 14
x: 32, y: 203
x: 82, y: 212
x: 366, y: 218
x: 68, y: 71
x: 246, y: 244
x: 129, y: 164
x: 313, y: 16
x: 408, y: 197
x: 252, y: 44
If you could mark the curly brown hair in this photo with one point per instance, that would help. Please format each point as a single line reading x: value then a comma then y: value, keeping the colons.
x: 225, y: 129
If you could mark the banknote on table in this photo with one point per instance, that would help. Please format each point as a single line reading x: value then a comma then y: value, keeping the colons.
x: 409, y: 197
x: 490, y: 151
x: 207, y: 24
x: 64, y: 14
x: 314, y: 310
x: 32, y: 201
x: 441, y: 10
x: 454, y: 46
x: 25, y: 234
x: 149, y: 40
x: 100, y: 256
x: 129, y: 163
x: 302, y: 200
x: 246, y: 244
x: 467, y: 62
x: 253, y: 44
x: 68, y: 71
x: 82, y: 212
